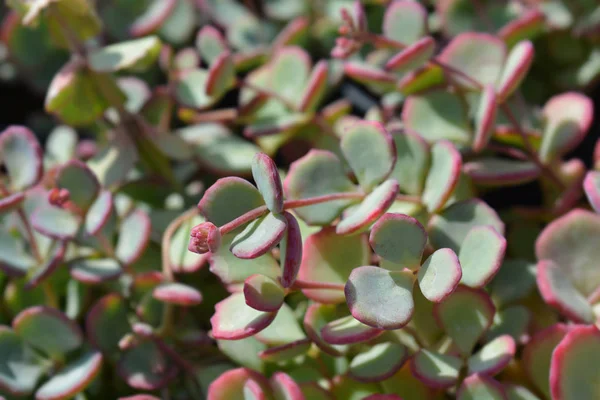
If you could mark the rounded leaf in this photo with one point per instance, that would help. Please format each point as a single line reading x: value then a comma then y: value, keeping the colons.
x: 229, y: 198
x: 439, y: 275
x: 412, y: 163
x: 11, y: 202
x: 348, y: 330
x: 436, y: 370
x: 210, y: 43
x: 266, y: 176
x: 94, y: 271
x: 400, y: 239
x: 413, y: 56
x: 99, y: 213
x: 284, y: 329
x: 378, y: 363
x: 315, y: 87
x: 55, y: 222
x: 491, y: 171
x: 481, y: 255
x: 190, y: 89
x: 234, y: 320
x: 259, y: 236
x: 134, y: 235
x: 591, y: 187
x: 285, y: 388
x: 316, y: 317
x: 177, y: 293
x: 517, y: 65
x: 477, y: 387
x: 21, y: 155
x: 230, y: 384
x: 221, y: 75
x: 144, y: 366
x: 485, y: 118
x: 110, y: 311
x: 443, y: 175
x: 137, y: 54
x: 80, y: 181
x: 493, y: 357
x: 290, y: 251
x: 263, y: 293
x: 405, y: 21
x: 20, y: 366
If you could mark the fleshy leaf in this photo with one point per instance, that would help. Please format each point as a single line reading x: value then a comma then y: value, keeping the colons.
x: 437, y: 115
x: 221, y: 76
x: 439, y: 275
x: 517, y: 65
x: 72, y: 379
x: 400, y: 239
x: 412, y: 162
x: 285, y: 388
x: 591, y: 186
x: 478, y: 55
x: 413, y: 56
x: 110, y: 310
x: 516, y: 392
x: 11, y: 202
x: 234, y: 320
x: 436, y: 370
x: 348, y: 330
x: 55, y: 222
x: 443, y: 175
x: 370, y: 152
x: 266, y: 176
x: 476, y: 387
x: 210, y: 43
x: 493, y: 357
x: 283, y: 329
x: 559, y: 292
x: 290, y: 251
x: 465, y: 315
x: 134, y: 235
x: 177, y: 293
x: 228, y: 199
x: 191, y: 89
x: 330, y: 258
x: 528, y: 25
x: 80, y: 181
x: 144, y: 366
x: 491, y: 171
x: 568, y: 117
x: 53, y: 260
x: 485, y: 118
x: 405, y: 21
x: 21, y: 155
x: 286, y: 351
x: 481, y: 254
x: 370, y: 209
x: 378, y: 363
x: 513, y: 282
x: 152, y: 18
x: 450, y: 227
x: 406, y: 386
x: 99, y: 213
x: 21, y: 367
x: 95, y: 270
x: 263, y: 293
x: 370, y: 76
x: 230, y: 385
x: 48, y: 330
x: 315, y: 87
x: 316, y: 317
x: 134, y: 55
x: 318, y: 173
x: 259, y: 236
x: 380, y: 298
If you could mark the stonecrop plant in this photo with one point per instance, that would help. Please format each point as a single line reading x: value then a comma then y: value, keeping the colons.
x: 295, y: 199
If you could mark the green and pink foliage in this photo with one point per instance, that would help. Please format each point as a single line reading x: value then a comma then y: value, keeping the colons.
x: 296, y: 200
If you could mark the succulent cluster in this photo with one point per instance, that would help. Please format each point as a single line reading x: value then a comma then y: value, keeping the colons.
x: 283, y: 199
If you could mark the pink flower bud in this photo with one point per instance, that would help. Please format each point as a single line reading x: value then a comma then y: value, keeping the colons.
x: 86, y: 149
x: 204, y: 238
x: 58, y: 197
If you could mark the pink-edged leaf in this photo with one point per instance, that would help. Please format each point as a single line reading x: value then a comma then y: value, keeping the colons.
x: 379, y: 362
x: 80, y: 181
x: 55, y: 222
x: 369, y: 75
x: 370, y: 151
x: 229, y: 198
x: 315, y: 87
x: 54, y: 260
x: 266, y: 176
x: 286, y: 351
x: 443, y: 175
x: 263, y: 293
x: 485, y: 118
x: 476, y: 387
x: 110, y: 310
x: 153, y: 17
x: 517, y: 65
x: 493, y: 357
x: 99, y: 213
x: 330, y: 258
x: 134, y: 236
x: 290, y: 250
x: 284, y: 329
x: 259, y: 236
x: 177, y: 293
x: 439, y: 275
x: 221, y: 75
x: 21, y: 155
x: 370, y: 209
x: 465, y: 316
x: 234, y: 320
x: 559, y: 292
x: 489, y: 171
x: 568, y: 116
x: 405, y: 21
x: 481, y: 255
x: 591, y: 187
x: 412, y: 162
x: 186, y: 59
x: 480, y: 56
x: 22, y: 367
x: 574, y: 370
x: 210, y: 43
x: 518, y: 392
x: 288, y: 122
x: 145, y: 366
x: 72, y: 379
x: 316, y: 317
x: 380, y: 298
x: 413, y: 56
x: 529, y: 24
x: 285, y: 388
x: 231, y: 385
x: 537, y: 355
x: 348, y: 330
x: 292, y: 33
x: 436, y: 370
x: 399, y: 239
x: 11, y: 202
x: 94, y: 271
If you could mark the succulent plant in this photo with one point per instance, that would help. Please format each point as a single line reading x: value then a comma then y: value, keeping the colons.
x: 297, y: 200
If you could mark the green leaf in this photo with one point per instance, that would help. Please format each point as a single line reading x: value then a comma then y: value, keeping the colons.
x: 20, y: 366
x: 485, y: 118
x: 109, y: 311
x: 80, y: 181
x: 14, y: 258
x: 48, y: 330
x: 21, y: 154
x: 315, y: 87
x: 284, y: 387
x: 99, y: 213
x: 47, y: 267
x: 316, y: 317
x: 177, y: 293
x: 516, y: 392
x: 435, y: 369
x: 465, y: 315
x: 374, y: 205
x: 153, y: 16
x: 55, y: 222
x: 283, y: 329
x: 79, y: 15
x: 244, y: 352
x: 378, y: 363
x: 493, y: 357
x: 437, y: 115
x: 514, y: 321
x: 286, y: 352
x: 221, y: 76
x: 263, y: 293
x: 229, y: 198
x: 412, y: 57
x: 330, y: 258
x: 112, y: 163
x: 290, y: 251
x: 348, y: 330
x: 439, y: 275
x: 591, y: 186
x: 72, y: 379
x: 399, y: 239
x: 443, y: 175
x: 230, y: 385
x: 405, y: 22
x: 259, y: 236
x: 412, y: 162
x: 190, y: 89
x: 517, y: 65
x: 234, y: 320
x: 266, y: 176
x: 481, y: 254
x: 380, y: 298
x: 290, y: 69
x: 491, y: 171
x: 134, y: 235
x: 144, y: 366
x: 180, y: 24
x: 95, y: 270
x: 135, y: 55
x: 210, y: 43
x: 450, y: 227
x: 476, y: 387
